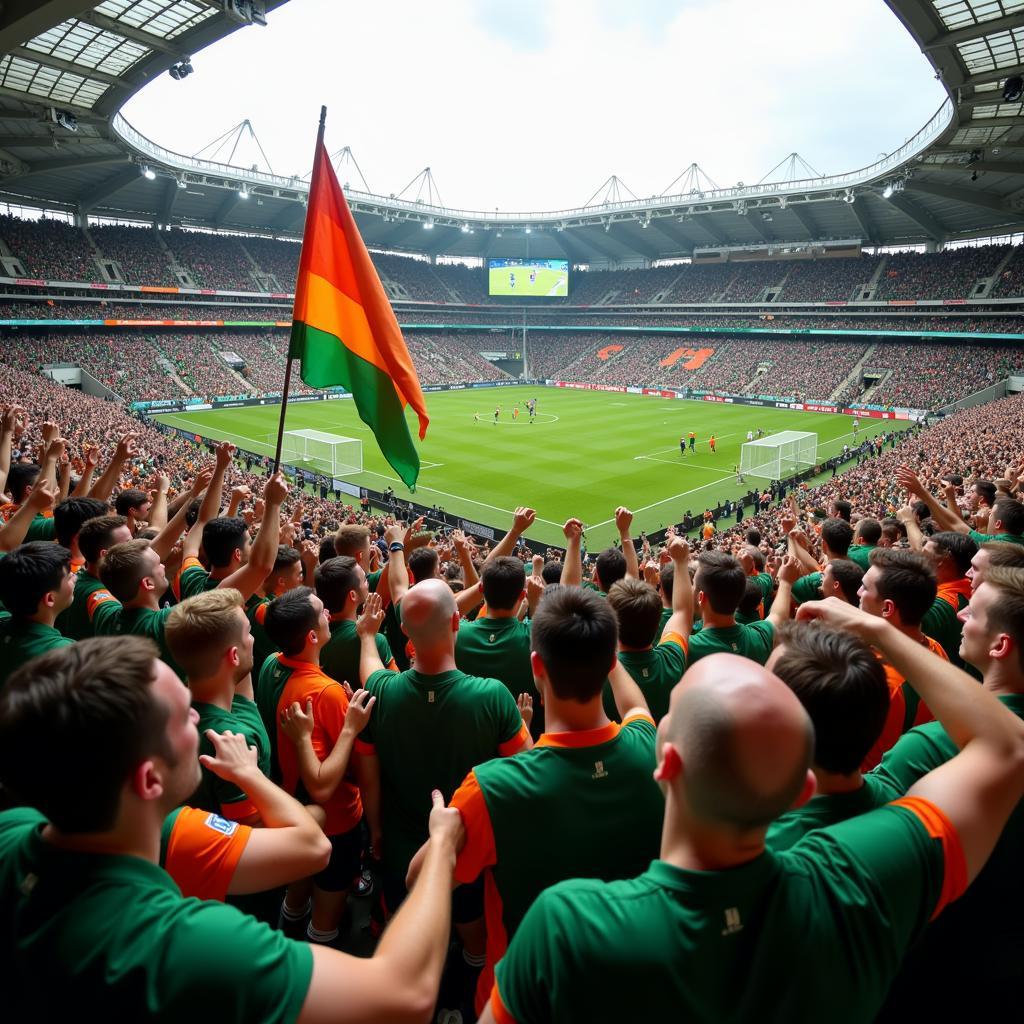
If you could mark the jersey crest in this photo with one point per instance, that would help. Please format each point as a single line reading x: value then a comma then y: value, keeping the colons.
x: 222, y: 825
x: 733, y: 924
x: 599, y: 772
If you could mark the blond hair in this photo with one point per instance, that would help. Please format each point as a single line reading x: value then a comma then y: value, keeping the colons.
x: 202, y: 628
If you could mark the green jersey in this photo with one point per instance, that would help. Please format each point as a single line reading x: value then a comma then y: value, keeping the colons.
x: 977, y: 937
x: 754, y: 640
x: 861, y: 554
x: 807, y: 588
x: 590, y: 795
x: 21, y: 640
x: 666, y: 614
x: 268, y: 685
x: 656, y: 671
x: 41, y: 528
x: 193, y: 579
x: 500, y: 649
x: 709, y: 946
x: 941, y: 623
x: 340, y: 656
x: 1005, y: 538
x: 113, y: 933
x: 149, y: 623
x: 93, y: 612
x: 829, y: 809
x: 428, y: 732
x: 217, y: 794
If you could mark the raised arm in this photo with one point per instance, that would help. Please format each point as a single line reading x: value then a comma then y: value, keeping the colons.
x: 978, y: 789
x: 789, y: 573
x: 629, y: 698
x: 914, y: 535
x: 522, y: 520
x: 165, y: 540
x: 367, y: 626
x: 681, y: 619
x: 944, y: 517
x: 158, y: 511
x: 401, y: 981
x: 321, y: 778
x: 104, y: 486
x: 572, y: 567
x: 623, y: 521
x: 41, y: 498
x: 8, y: 420
x: 469, y: 574
x: 211, y: 500
x: 291, y: 845
x: 248, y: 579
x: 90, y: 459
x: 398, y: 572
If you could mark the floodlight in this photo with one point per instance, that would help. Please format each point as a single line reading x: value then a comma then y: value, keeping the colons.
x: 527, y: 230
x: 888, y: 190
x: 498, y: 235
x: 182, y: 183
x: 849, y: 197
x: 243, y: 192
x: 1013, y: 89
x: 465, y: 229
x: 428, y: 225
x: 149, y: 173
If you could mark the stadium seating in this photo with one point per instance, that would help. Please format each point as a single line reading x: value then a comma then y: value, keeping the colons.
x: 214, y: 261
x: 50, y: 249
x: 138, y: 252
x: 947, y: 275
x: 827, y: 279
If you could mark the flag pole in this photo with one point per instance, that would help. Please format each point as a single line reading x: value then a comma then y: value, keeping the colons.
x: 288, y: 358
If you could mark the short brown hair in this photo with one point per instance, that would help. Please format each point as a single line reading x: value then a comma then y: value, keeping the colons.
x: 1004, y: 554
x: 1007, y: 614
x: 96, y: 534
x: 122, y: 570
x: 351, y: 539
x: 907, y: 579
x: 88, y: 704
x: 202, y: 628
x: 637, y: 608
x: 722, y: 579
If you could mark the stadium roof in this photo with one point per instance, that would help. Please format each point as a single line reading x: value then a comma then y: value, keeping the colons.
x: 63, y: 144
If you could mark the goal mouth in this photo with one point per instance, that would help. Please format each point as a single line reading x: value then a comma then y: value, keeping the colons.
x: 778, y: 456
x: 322, y: 452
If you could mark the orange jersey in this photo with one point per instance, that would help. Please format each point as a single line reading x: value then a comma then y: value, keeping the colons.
x: 201, y: 851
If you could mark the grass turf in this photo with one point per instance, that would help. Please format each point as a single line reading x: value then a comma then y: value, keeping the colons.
x: 587, y: 452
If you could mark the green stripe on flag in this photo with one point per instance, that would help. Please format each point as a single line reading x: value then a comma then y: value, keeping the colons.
x: 326, y: 362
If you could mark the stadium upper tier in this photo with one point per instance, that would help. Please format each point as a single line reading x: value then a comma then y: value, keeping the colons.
x: 173, y: 364
x: 56, y: 251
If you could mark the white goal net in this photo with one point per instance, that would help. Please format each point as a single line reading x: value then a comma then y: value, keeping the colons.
x: 779, y: 455
x: 322, y: 452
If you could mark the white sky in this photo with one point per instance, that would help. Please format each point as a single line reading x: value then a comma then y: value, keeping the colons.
x: 528, y: 105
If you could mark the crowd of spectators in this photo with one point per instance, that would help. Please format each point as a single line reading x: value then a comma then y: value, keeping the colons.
x: 753, y: 277
x: 417, y: 279
x: 1011, y: 278
x: 104, y: 309
x: 137, y: 251
x: 53, y: 250
x: 950, y: 274
x: 276, y: 256
x: 832, y: 279
x: 214, y: 260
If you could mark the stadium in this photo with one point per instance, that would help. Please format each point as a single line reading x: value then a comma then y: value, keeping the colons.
x: 787, y: 376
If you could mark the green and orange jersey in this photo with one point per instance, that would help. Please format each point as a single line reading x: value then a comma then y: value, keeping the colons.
x: 217, y: 794
x: 941, y: 622
x: 666, y: 614
x: 979, y: 937
x: 1005, y: 538
x: 807, y: 588
x: 906, y: 709
x: 21, y: 640
x: 827, y: 809
x: 500, y: 649
x: 112, y: 931
x: 578, y: 805
x: 754, y: 640
x: 94, y: 611
x: 192, y: 579
x: 150, y: 623
x: 262, y: 646
x: 655, y: 671
x: 340, y: 655
x: 201, y: 850
x: 674, y: 944
x: 427, y: 732
x: 299, y: 682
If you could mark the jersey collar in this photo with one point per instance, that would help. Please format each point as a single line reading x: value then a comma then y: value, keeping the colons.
x: 583, y: 738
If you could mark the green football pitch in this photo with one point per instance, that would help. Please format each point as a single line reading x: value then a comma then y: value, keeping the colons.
x: 548, y: 282
x: 587, y: 452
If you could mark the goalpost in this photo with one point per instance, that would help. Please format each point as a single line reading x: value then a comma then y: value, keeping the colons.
x: 779, y: 455
x: 326, y: 453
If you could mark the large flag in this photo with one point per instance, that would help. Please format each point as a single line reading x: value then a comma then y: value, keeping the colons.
x: 343, y: 328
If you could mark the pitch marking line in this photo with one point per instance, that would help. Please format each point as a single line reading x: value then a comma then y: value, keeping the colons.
x: 679, y: 462
x: 664, y: 501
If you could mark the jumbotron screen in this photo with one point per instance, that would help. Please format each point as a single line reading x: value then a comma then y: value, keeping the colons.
x: 532, y: 278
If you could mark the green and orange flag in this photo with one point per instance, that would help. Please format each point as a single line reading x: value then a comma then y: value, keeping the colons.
x: 344, y: 330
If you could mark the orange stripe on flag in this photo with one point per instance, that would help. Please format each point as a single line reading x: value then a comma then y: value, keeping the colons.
x: 329, y: 309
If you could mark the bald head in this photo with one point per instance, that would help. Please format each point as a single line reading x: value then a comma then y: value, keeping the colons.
x: 745, y: 741
x: 427, y: 611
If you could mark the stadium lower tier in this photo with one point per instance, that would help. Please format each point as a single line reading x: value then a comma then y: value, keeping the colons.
x: 150, y: 364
